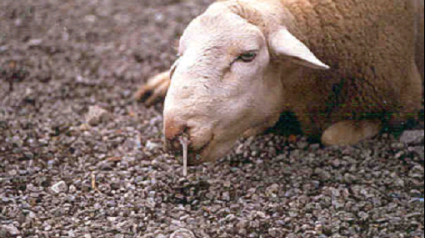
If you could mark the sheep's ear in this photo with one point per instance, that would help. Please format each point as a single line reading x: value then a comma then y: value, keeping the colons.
x: 284, y: 44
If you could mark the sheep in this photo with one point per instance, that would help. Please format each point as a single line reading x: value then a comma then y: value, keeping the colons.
x: 340, y: 66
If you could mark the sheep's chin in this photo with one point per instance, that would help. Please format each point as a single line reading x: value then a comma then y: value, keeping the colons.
x: 211, y: 152
x: 221, y: 142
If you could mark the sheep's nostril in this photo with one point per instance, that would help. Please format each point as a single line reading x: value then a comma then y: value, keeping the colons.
x: 174, y: 146
x: 174, y: 128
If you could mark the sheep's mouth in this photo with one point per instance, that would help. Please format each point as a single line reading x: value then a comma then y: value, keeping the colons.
x: 195, y: 155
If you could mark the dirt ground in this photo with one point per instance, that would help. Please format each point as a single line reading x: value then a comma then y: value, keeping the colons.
x: 64, y: 173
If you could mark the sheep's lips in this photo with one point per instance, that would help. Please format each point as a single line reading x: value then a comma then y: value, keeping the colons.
x: 191, y: 156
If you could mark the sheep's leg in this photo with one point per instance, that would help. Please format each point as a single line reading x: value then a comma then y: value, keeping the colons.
x: 410, y: 100
x: 154, y: 90
x: 347, y: 133
x: 420, y: 39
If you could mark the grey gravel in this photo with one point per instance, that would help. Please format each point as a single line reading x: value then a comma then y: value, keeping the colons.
x: 151, y: 146
x: 413, y: 137
x: 59, y: 187
x: 61, y: 176
x: 182, y: 233
x: 9, y: 231
x: 97, y: 115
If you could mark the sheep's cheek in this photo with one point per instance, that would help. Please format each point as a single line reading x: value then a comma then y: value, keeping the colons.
x: 217, y: 150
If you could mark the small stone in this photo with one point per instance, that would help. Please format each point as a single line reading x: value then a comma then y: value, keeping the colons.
x: 274, y: 232
x: 59, y: 187
x: 319, y: 229
x: 13, y: 172
x: 415, y: 193
x: 336, y: 163
x: 151, y: 146
x: 315, y: 146
x: 111, y: 203
x: 3, y: 48
x: 349, y: 178
x: 412, y: 137
x: 18, y: 22
x: 323, y: 174
x: 122, y: 18
x: 239, y: 150
x: 97, y: 115
x: 71, y: 233
x: 90, y: 18
x: 29, y: 155
x: 226, y: 196
x: 419, y: 150
x: 84, y: 127
x: 72, y: 189
x: 10, y: 230
x: 182, y: 233
x: 302, y: 144
x: 272, y: 191
x: 34, y: 42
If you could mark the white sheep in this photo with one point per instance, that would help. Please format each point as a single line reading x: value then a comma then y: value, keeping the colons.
x: 338, y: 65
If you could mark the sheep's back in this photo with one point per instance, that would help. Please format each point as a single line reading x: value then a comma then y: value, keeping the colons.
x: 368, y: 44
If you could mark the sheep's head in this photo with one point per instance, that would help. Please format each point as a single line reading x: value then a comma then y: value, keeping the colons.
x: 225, y: 83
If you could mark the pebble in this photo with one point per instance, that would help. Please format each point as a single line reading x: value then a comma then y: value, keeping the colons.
x: 151, y: 146
x: 410, y: 137
x: 3, y: 48
x: 59, y: 187
x: 9, y: 230
x: 183, y: 233
x: 90, y: 18
x: 302, y: 144
x: 34, y: 42
x: 419, y: 150
x: 226, y: 196
x: 97, y: 115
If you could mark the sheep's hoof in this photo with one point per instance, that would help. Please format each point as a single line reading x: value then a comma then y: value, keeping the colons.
x: 347, y: 133
x: 154, y: 90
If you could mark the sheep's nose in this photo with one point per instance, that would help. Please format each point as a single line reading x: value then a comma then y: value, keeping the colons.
x: 172, y: 130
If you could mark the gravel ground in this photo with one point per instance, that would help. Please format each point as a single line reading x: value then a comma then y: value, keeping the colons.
x: 79, y: 158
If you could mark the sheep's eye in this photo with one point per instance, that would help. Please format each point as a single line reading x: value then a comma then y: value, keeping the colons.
x: 247, y: 57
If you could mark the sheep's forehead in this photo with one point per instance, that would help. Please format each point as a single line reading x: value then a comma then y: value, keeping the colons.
x: 224, y: 32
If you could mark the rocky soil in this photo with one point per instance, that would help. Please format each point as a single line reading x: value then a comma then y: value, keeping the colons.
x: 79, y: 158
